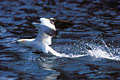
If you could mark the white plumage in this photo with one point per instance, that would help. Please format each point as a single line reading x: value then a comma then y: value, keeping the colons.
x: 43, y: 40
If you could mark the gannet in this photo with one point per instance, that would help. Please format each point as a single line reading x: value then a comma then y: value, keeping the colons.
x: 43, y: 40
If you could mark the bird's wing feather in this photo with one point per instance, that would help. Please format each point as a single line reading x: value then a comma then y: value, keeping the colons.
x: 49, y: 31
x: 42, y: 31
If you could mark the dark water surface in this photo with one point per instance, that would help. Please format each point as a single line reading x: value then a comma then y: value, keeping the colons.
x: 94, y: 38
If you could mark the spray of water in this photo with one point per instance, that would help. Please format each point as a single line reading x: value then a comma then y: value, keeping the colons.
x: 73, y: 49
x: 97, y: 50
x: 102, y: 51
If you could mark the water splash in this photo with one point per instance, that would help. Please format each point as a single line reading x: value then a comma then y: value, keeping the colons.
x: 95, y: 48
x: 71, y: 55
x: 102, y: 51
x: 71, y: 49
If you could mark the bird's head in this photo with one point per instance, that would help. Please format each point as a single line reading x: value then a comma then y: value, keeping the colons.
x: 46, y: 21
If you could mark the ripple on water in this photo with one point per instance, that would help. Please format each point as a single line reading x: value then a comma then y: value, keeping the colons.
x: 92, y: 19
x: 8, y: 75
x: 5, y: 58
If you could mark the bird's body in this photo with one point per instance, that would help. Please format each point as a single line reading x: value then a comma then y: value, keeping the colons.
x: 43, y: 40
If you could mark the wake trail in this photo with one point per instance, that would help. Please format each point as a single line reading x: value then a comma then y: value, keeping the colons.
x: 53, y: 52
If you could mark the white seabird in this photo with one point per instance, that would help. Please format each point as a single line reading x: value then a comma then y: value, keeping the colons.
x: 43, y: 40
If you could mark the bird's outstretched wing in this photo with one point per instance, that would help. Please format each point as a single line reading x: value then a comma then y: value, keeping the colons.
x: 49, y: 31
x: 43, y: 28
x: 62, y: 24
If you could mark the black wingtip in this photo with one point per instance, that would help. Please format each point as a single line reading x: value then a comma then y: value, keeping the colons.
x: 62, y: 24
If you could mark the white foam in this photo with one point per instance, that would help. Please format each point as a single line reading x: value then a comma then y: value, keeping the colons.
x: 101, y: 52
